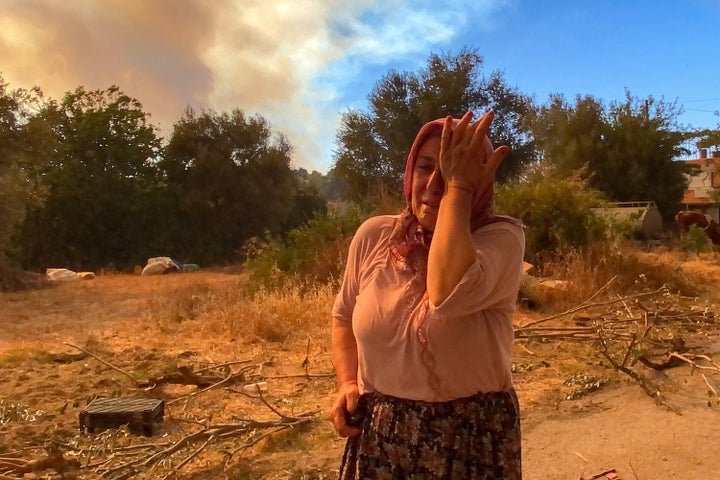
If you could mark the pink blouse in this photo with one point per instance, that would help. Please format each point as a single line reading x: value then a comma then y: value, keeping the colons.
x: 411, y: 349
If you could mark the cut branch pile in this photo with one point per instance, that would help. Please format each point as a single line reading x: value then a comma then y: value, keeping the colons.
x: 649, y: 328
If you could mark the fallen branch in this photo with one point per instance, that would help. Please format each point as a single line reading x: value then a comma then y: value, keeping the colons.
x: 105, y: 362
x: 53, y: 461
x: 68, y: 357
x: 585, y: 305
x: 302, y: 375
x: 224, y: 381
x: 204, y: 438
x: 599, y: 475
x: 714, y: 367
x: 648, y: 387
x: 222, y: 365
x: 186, y: 376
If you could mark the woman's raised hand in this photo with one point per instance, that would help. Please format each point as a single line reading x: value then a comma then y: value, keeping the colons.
x: 466, y: 162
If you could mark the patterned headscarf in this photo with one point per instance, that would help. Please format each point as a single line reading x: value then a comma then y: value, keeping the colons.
x: 410, y: 243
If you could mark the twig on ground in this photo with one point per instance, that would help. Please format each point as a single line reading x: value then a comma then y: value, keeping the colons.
x: 186, y: 376
x: 227, y: 379
x: 302, y: 375
x: 707, y: 382
x: 585, y: 305
x: 600, y: 475
x: 221, y: 365
x: 648, y: 387
x: 714, y: 367
x: 105, y: 362
x: 54, y: 460
x: 207, y: 436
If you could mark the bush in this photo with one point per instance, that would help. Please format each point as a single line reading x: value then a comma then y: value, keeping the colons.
x: 313, y: 252
x: 555, y: 211
x: 695, y: 240
x: 13, y: 278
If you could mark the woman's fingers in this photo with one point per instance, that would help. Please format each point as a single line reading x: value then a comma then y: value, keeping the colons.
x: 480, y: 131
x: 466, y: 160
x: 467, y: 136
x: 345, y: 402
x: 446, y: 136
x: 497, y: 157
x: 339, y: 422
x: 458, y: 134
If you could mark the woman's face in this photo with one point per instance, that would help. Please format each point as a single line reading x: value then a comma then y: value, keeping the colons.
x: 427, y: 184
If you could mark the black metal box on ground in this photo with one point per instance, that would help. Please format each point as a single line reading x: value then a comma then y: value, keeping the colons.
x: 142, y: 415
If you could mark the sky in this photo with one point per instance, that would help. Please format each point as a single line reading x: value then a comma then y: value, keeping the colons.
x: 301, y: 64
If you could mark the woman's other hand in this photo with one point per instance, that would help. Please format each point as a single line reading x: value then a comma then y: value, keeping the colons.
x: 345, y: 405
x: 466, y: 161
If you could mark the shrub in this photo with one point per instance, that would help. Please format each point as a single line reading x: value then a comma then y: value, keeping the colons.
x: 695, y: 240
x: 316, y: 251
x: 557, y: 212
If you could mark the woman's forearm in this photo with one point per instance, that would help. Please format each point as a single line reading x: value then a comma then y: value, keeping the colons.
x: 344, y: 352
x: 452, y: 250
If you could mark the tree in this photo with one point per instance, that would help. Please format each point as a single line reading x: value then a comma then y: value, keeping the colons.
x: 627, y: 149
x: 707, y: 138
x: 373, y: 145
x: 97, y: 161
x: 642, y: 144
x: 19, y: 190
x: 570, y: 136
x: 232, y: 181
x: 308, y: 200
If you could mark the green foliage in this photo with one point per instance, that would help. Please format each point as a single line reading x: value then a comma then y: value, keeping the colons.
x: 373, y: 145
x: 99, y: 191
x: 307, y: 201
x: 708, y: 139
x: 642, y: 146
x: 232, y: 181
x: 19, y: 189
x: 96, y: 155
x: 315, y: 251
x: 629, y: 147
x: 695, y: 240
x: 570, y: 136
x: 556, y: 211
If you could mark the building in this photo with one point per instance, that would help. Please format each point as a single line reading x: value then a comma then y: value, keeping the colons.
x: 703, y: 192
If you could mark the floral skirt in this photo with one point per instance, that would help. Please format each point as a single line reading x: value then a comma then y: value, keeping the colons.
x: 470, y: 438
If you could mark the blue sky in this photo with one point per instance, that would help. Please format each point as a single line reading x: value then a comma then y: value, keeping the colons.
x: 302, y: 63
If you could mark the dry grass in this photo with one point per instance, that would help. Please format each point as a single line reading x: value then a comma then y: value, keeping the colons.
x: 620, y: 268
x: 148, y: 327
x: 151, y: 325
x: 290, y: 314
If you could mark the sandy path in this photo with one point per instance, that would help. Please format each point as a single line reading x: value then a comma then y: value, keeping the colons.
x: 624, y: 430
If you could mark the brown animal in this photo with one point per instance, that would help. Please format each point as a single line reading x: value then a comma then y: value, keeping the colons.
x: 686, y: 218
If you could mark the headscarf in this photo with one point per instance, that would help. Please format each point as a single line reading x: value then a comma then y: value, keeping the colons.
x: 410, y: 242
x: 482, y: 201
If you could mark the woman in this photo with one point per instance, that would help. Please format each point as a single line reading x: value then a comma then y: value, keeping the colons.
x: 422, y: 327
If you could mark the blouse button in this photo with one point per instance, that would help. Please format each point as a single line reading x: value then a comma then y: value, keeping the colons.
x: 421, y: 336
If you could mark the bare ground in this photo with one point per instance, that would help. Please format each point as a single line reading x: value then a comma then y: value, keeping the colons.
x: 618, y: 429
